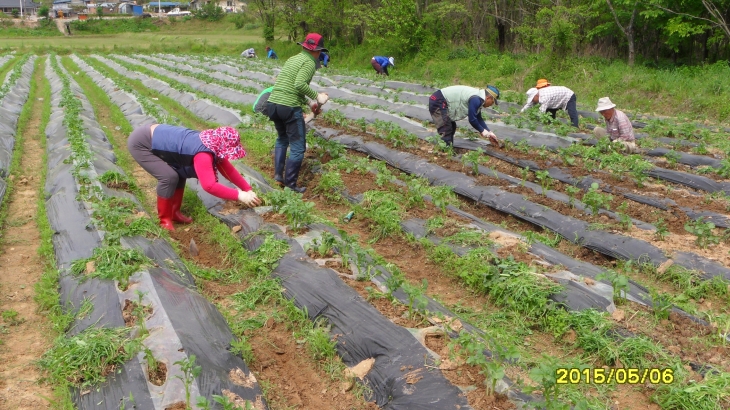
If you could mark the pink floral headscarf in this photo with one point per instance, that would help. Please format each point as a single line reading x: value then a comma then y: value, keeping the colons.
x: 224, y: 142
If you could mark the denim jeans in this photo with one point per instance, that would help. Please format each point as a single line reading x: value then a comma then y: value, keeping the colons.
x: 289, y: 124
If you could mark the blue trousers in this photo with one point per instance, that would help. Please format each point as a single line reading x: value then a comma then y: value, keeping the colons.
x: 289, y: 124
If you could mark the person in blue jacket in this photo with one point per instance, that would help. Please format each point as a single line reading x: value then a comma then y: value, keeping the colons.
x: 380, y: 64
x: 324, y: 59
x: 270, y: 53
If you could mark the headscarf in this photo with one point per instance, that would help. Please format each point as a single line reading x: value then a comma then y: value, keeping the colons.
x: 224, y: 142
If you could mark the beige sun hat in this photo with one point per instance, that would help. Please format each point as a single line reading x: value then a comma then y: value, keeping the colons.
x: 604, y: 104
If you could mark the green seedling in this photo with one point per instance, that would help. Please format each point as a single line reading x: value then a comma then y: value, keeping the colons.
x: 672, y: 158
x: 190, y: 372
x: 417, y: 301
x: 442, y: 196
x: 596, y: 200
x: 331, y: 186
x: 472, y: 159
x: 525, y: 173
x: 661, y: 304
x: 619, y: 282
x: 624, y: 218
x: 12, y: 317
x: 662, y: 230
x: 324, y: 244
x: 703, y: 231
x: 572, y: 191
x: 543, y: 177
x: 287, y: 202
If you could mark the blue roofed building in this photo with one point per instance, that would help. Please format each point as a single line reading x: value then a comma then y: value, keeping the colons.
x: 29, y: 7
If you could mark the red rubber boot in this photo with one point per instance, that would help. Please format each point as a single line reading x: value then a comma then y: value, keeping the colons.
x: 164, y: 212
x: 177, y: 216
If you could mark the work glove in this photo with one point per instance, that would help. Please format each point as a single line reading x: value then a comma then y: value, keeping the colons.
x: 314, y: 106
x: 248, y: 198
x: 308, y: 118
x: 322, y: 98
x: 492, y: 138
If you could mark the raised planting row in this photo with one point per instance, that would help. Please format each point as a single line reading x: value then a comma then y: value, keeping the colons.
x: 13, y: 95
x: 141, y: 334
x: 477, y: 274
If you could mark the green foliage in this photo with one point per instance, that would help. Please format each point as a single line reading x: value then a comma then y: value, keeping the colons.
x: 596, y: 200
x: 209, y: 12
x: 287, y: 202
x: 619, y: 282
x: 543, y: 177
x: 190, y: 372
x: 662, y: 231
x: 709, y: 394
x: 111, y: 262
x: 85, y: 359
x: 11, y: 317
x: 703, y: 231
x: 417, y: 300
x: 113, y: 26
x: 572, y: 191
x: 384, y: 210
x: 331, y: 186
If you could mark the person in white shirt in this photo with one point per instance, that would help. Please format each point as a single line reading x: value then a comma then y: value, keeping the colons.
x: 250, y: 53
x: 552, y: 98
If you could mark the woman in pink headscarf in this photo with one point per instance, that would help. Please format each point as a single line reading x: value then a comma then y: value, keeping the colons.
x: 174, y: 154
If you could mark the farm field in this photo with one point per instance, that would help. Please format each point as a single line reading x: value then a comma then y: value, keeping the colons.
x: 554, y: 272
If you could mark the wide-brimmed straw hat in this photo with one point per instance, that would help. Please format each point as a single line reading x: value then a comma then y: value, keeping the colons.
x: 604, y: 104
x: 541, y: 83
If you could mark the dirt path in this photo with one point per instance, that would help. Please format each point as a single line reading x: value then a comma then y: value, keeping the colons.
x: 61, y: 24
x: 26, y: 337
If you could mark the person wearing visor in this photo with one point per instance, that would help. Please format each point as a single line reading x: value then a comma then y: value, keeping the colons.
x: 173, y: 154
x: 553, y: 98
x: 457, y: 102
x: 381, y: 64
x: 289, y: 94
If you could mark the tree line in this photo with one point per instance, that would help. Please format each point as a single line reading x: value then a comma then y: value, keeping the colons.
x: 683, y: 31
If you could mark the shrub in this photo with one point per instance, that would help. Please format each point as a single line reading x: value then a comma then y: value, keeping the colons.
x: 209, y: 12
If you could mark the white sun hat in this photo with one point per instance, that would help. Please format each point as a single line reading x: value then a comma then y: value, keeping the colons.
x: 531, y: 93
x: 604, y: 104
x: 391, y: 60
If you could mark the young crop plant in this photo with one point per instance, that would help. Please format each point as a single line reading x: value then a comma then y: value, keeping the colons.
x: 620, y: 284
x: 662, y: 230
x: 443, y: 196
x: 325, y: 147
x: 111, y: 262
x: 331, y: 186
x: 703, y: 231
x: 84, y: 359
x: 324, y: 245
x: 724, y: 170
x: 672, y: 158
x: 543, y: 178
x: 384, y: 209
x: 472, y: 160
x: 440, y: 145
x: 624, y: 218
x: 417, y: 188
x: 417, y: 300
x: 596, y: 200
x: 492, y: 369
x: 190, y: 373
x: 119, y: 217
x: 572, y: 191
x: 661, y: 304
x: 116, y: 180
x: 287, y: 202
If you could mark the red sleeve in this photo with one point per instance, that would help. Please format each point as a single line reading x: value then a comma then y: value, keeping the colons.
x: 203, y: 164
x: 230, y: 173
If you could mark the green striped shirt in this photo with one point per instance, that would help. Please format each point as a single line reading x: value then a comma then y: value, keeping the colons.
x: 292, y: 84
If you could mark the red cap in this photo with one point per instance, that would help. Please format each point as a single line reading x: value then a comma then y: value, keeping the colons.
x: 313, y: 42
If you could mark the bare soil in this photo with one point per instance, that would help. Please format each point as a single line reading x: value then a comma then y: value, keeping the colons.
x: 23, y: 342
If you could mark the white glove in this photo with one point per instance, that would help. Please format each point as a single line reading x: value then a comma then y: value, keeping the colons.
x: 322, y: 98
x: 488, y: 134
x: 248, y: 198
x: 308, y: 118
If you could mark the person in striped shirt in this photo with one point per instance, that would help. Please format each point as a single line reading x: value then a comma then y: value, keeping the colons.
x: 553, y: 98
x: 290, y: 92
x: 618, y: 126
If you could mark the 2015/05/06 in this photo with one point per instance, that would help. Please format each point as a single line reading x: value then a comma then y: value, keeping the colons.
x: 601, y: 375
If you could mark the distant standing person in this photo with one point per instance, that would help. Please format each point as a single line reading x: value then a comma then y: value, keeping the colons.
x: 173, y: 154
x: 381, y: 64
x: 249, y: 53
x: 552, y: 98
x: 324, y: 58
x: 270, y: 53
x: 618, y: 126
x: 285, y: 109
x: 457, y: 102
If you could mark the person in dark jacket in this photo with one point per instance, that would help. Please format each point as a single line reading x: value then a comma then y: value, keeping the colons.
x: 173, y: 154
x: 381, y: 64
x: 324, y: 59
